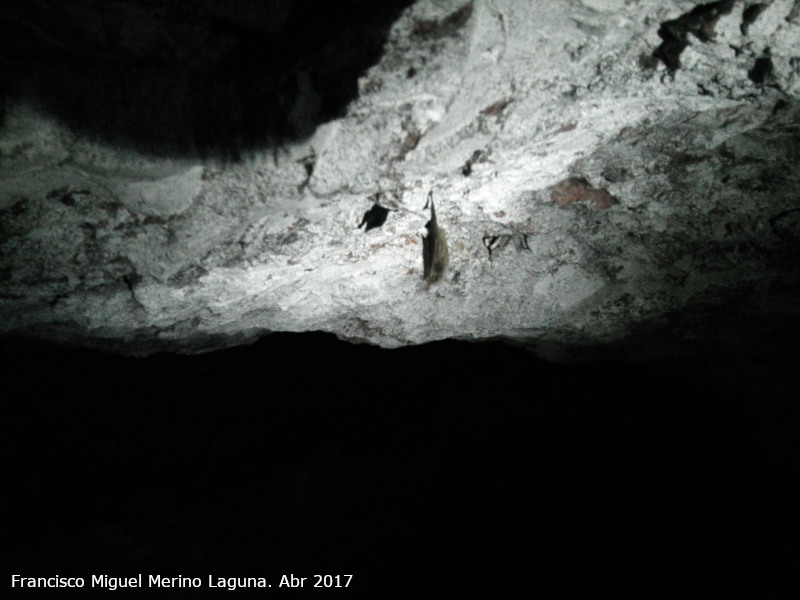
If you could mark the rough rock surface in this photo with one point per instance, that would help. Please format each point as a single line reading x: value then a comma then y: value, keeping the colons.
x: 609, y: 174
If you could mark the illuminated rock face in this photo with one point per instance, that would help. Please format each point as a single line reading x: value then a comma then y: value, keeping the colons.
x: 613, y: 178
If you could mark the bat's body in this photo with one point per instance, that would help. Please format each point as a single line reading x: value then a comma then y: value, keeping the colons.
x: 435, y: 255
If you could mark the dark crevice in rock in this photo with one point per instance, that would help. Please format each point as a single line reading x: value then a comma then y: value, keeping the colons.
x: 700, y: 22
x: 749, y: 16
x: 479, y: 156
x: 209, y: 77
x: 761, y: 71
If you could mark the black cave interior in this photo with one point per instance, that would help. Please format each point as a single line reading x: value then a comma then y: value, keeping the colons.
x: 444, y: 467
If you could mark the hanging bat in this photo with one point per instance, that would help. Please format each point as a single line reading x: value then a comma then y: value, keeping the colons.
x: 435, y: 255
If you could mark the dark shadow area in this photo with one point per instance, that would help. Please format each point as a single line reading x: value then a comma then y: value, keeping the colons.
x: 699, y: 22
x: 180, y: 77
x: 450, y: 467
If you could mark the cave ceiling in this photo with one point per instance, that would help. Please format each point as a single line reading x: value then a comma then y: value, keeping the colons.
x: 611, y: 178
